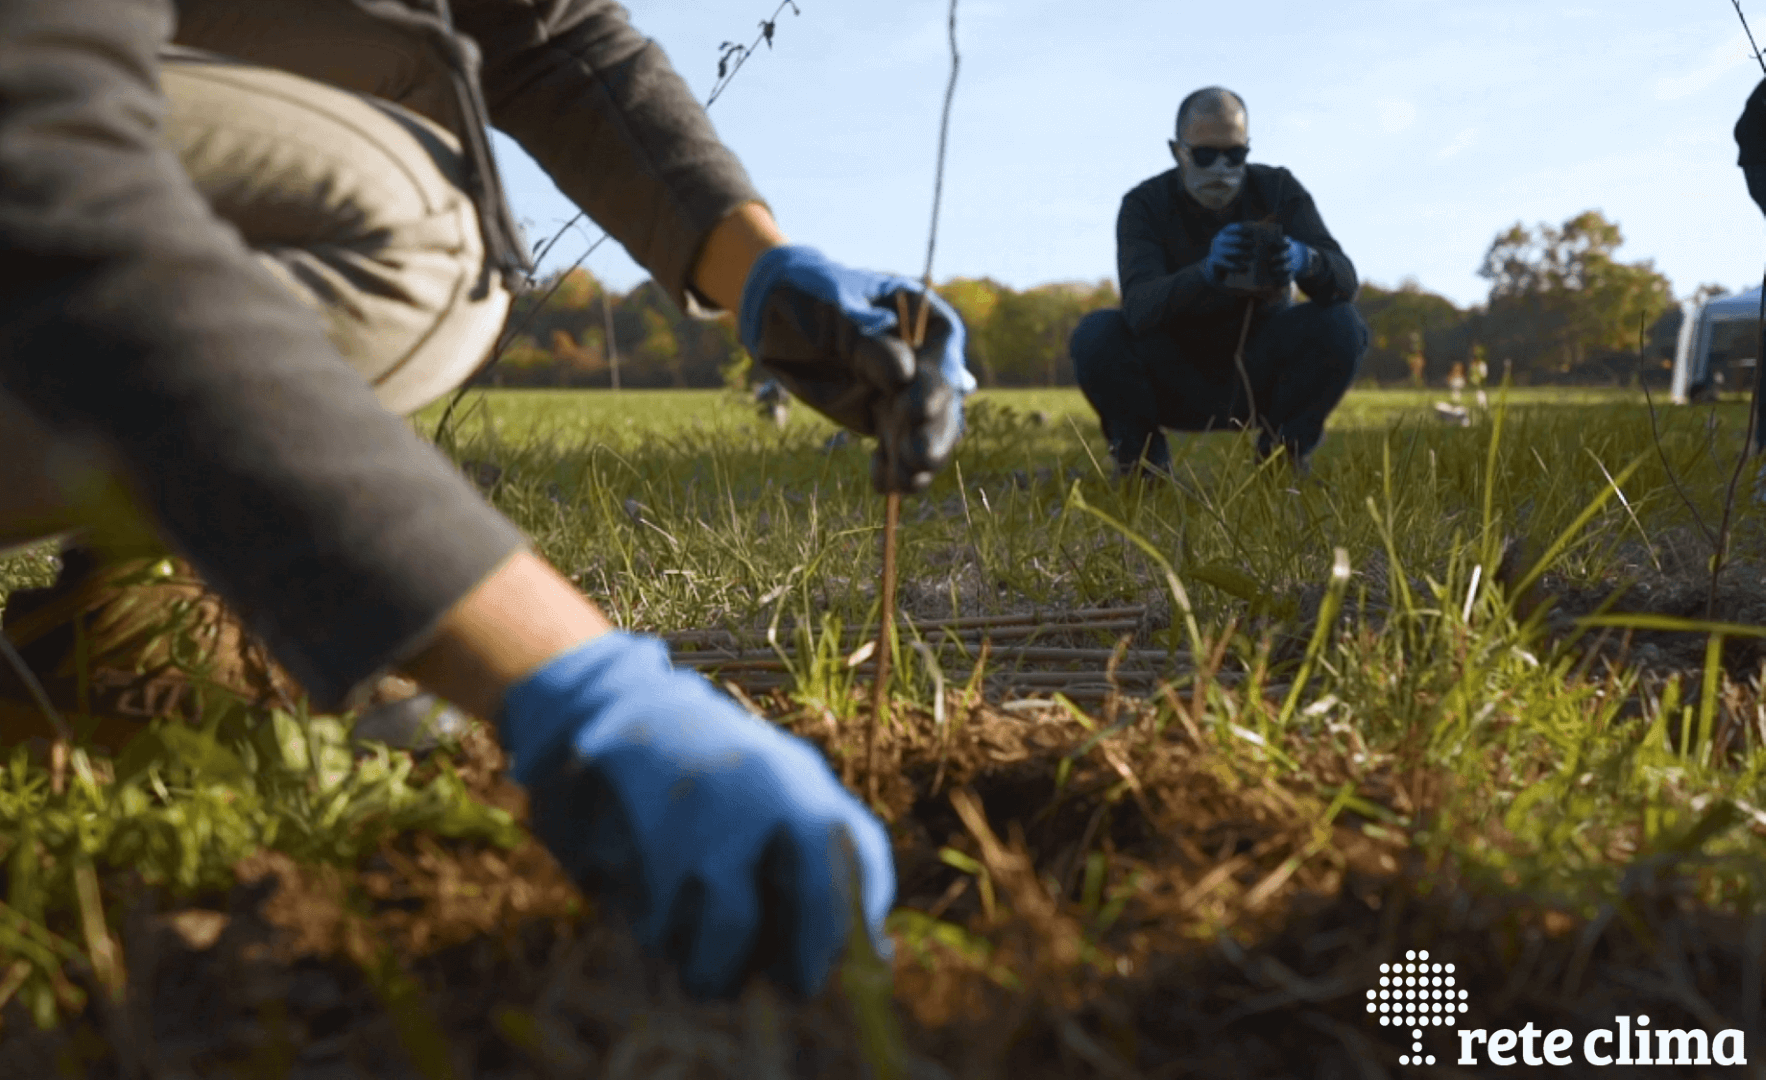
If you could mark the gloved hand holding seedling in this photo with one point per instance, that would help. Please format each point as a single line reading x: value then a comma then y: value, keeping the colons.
x: 831, y: 334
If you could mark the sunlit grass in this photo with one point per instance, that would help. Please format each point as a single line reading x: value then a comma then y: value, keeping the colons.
x: 741, y: 523
x: 1419, y: 703
x: 687, y: 510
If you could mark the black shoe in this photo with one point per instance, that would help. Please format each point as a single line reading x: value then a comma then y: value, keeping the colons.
x: 118, y: 643
x: 159, y: 643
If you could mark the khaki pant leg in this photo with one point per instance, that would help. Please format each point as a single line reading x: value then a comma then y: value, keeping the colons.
x: 355, y: 205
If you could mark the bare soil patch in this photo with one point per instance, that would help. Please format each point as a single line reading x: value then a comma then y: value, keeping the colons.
x: 1242, y: 943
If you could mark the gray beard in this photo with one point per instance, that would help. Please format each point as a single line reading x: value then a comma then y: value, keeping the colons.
x: 1200, y: 183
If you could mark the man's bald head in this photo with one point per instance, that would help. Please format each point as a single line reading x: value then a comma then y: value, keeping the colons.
x: 1212, y: 138
x: 1215, y: 110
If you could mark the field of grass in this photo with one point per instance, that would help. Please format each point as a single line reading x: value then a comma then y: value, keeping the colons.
x: 1468, y: 689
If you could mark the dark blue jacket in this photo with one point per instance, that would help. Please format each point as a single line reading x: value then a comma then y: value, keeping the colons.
x: 1163, y: 234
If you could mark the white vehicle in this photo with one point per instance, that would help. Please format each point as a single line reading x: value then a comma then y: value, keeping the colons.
x: 1719, y: 342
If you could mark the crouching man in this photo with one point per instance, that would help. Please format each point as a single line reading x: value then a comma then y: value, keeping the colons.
x: 1197, y: 281
x: 229, y: 262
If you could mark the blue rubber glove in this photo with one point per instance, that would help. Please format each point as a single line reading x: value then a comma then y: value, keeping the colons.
x: 1286, y: 262
x: 829, y: 333
x: 1229, y: 253
x: 1299, y: 258
x: 728, y: 843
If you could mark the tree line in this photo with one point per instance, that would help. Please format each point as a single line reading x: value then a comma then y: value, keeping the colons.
x: 558, y: 333
x: 569, y: 330
x: 1562, y: 308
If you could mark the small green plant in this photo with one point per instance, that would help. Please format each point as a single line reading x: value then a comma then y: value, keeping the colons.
x: 182, y: 806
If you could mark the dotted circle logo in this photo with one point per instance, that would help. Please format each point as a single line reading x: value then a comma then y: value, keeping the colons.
x: 1417, y: 994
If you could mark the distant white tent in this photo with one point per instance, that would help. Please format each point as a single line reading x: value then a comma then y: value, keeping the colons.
x: 1692, y: 358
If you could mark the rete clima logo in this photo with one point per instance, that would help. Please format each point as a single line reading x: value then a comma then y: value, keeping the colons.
x: 1420, y: 993
x: 1417, y: 994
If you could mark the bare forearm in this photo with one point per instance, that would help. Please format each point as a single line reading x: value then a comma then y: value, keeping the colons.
x: 522, y: 615
x: 730, y: 250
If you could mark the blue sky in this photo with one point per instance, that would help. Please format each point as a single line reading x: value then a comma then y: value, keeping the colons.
x: 1421, y: 127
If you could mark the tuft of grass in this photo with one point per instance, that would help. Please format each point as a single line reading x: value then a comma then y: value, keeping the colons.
x: 180, y: 809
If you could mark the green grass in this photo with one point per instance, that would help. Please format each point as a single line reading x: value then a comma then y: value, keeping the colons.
x: 742, y: 523
x: 599, y: 412
x: 181, y: 807
x: 733, y: 510
x: 1528, y: 767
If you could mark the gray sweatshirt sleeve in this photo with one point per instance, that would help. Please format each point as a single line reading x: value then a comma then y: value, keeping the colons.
x: 600, y: 108
x: 130, y: 314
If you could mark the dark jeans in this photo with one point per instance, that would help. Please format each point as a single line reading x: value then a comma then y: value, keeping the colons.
x: 1299, y: 362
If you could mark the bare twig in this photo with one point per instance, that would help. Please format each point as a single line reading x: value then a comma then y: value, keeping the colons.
x: 885, y: 631
x: 968, y: 625
x: 1720, y: 552
x: 950, y: 89
x: 1750, y: 33
x: 510, y: 336
x: 1239, y: 362
x: 892, y: 502
x: 731, y: 50
x: 1656, y: 439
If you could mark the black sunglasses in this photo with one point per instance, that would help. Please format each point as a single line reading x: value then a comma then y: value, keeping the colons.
x: 1204, y: 156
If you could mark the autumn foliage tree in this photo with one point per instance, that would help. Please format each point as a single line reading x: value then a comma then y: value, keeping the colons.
x: 560, y: 338
x: 1020, y: 338
x: 1396, y: 317
x: 1559, y: 299
x: 1562, y: 307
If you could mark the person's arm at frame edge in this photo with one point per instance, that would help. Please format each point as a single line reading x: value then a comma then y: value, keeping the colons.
x: 526, y: 613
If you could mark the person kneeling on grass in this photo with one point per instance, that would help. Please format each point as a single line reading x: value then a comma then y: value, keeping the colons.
x: 1192, y: 274
x: 230, y: 262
